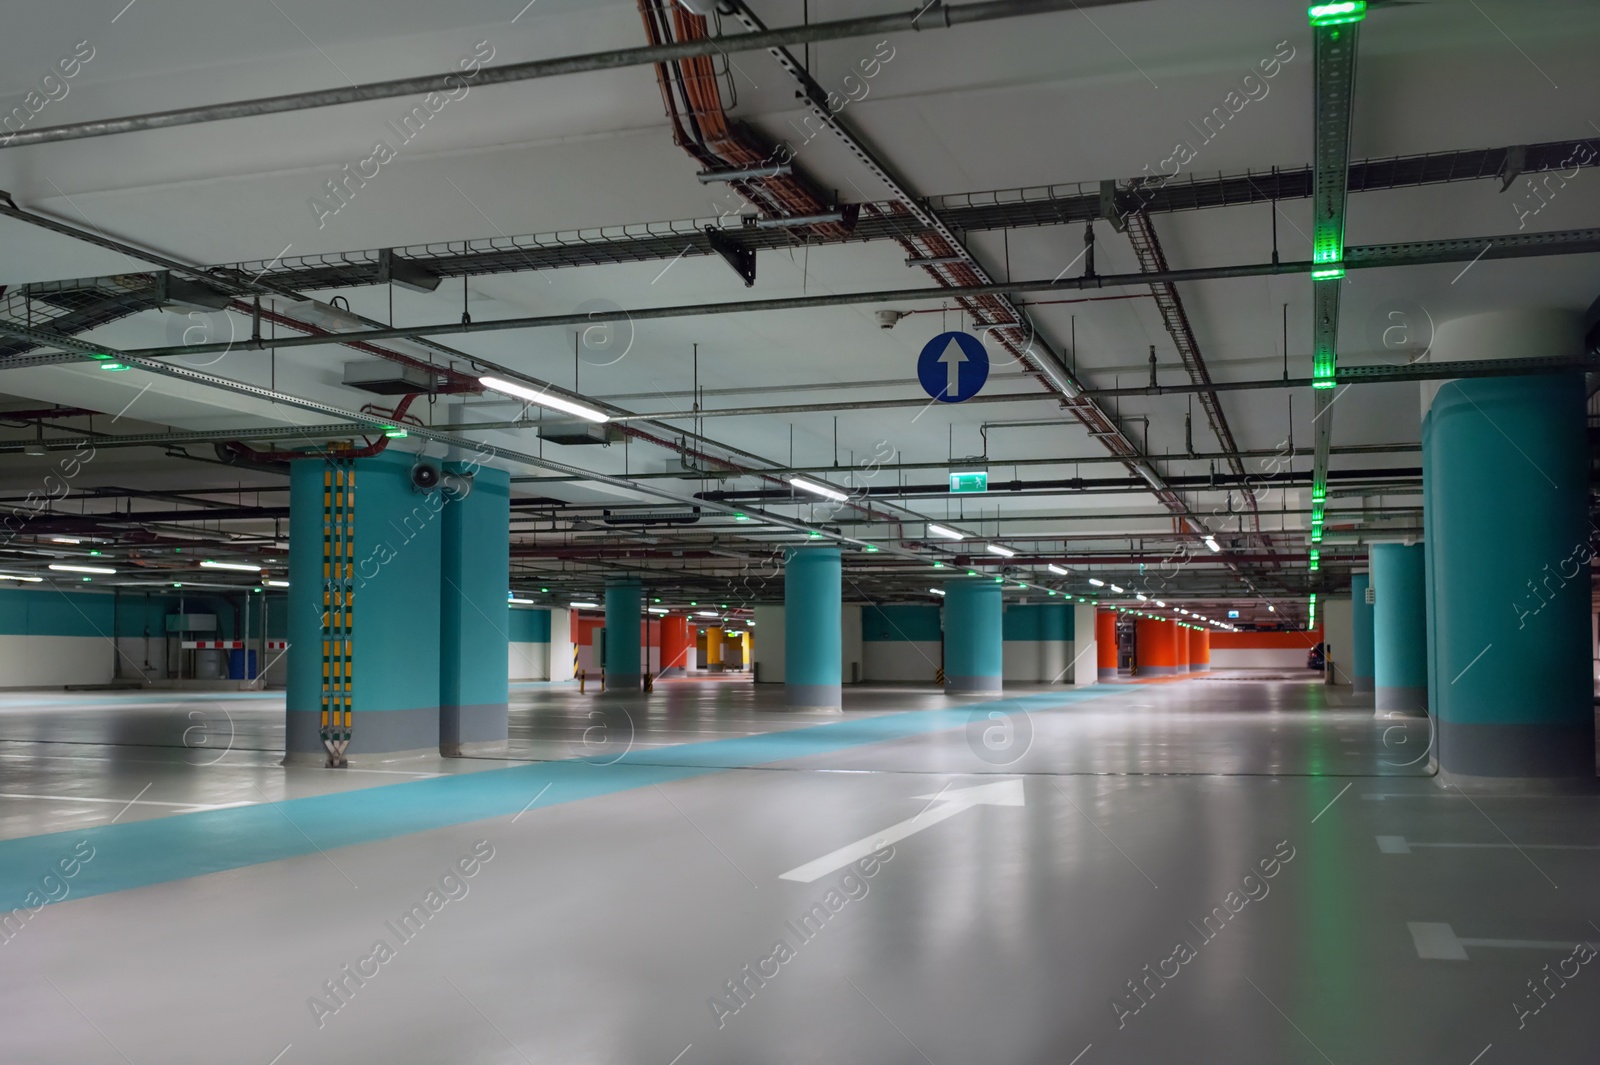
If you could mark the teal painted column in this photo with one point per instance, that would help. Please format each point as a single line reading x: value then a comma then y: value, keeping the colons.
x: 974, y: 654
x: 397, y: 536
x: 1361, y: 634
x: 1399, y: 630
x: 812, y: 637
x: 1507, y: 472
x: 623, y: 612
x: 474, y: 619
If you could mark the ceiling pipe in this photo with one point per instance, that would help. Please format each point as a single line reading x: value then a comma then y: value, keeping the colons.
x: 1503, y: 246
x: 930, y: 17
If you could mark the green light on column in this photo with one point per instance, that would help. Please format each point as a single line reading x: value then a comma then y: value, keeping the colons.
x: 1319, y: 492
x: 1316, y: 561
x: 1337, y: 14
x: 1322, y: 364
x: 1316, y: 534
x: 1316, y: 512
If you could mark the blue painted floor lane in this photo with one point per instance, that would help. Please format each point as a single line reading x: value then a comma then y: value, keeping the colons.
x: 166, y: 849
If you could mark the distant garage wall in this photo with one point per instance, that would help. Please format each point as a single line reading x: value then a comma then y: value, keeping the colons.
x: 529, y: 644
x: 50, y: 638
x: 1262, y: 650
x: 1037, y: 642
x: 900, y: 643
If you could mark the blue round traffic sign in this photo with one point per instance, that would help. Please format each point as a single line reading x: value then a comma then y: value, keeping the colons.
x: 953, y: 367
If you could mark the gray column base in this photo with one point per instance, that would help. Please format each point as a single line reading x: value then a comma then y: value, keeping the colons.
x: 1528, y: 751
x: 624, y: 683
x: 1108, y: 673
x: 716, y: 668
x: 1159, y: 671
x: 813, y: 697
x: 1412, y: 702
x: 964, y: 685
x: 384, y: 732
x: 1201, y: 667
x: 672, y: 671
x: 1361, y: 685
x: 465, y: 729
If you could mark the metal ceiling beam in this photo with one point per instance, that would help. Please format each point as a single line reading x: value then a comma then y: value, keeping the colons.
x: 1335, y: 80
x: 1503, y: 246
x: 932, y: 16
x: 963, y: 213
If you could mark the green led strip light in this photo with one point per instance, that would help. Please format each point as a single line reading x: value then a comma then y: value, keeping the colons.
x: 1337, y: 14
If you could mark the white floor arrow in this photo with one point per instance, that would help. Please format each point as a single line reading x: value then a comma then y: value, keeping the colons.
x: 945, y: 805
x: 1401, y: 845
x: 1439, y: 941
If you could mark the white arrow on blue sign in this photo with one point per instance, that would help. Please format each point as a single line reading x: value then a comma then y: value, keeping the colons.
x: 953, y: 367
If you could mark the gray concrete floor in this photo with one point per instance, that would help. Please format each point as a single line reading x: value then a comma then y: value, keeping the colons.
x: 606, y: 929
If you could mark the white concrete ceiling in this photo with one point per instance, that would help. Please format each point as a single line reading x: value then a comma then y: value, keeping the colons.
x: 1052, y: 99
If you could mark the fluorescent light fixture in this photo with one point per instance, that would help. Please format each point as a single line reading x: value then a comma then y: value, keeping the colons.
x: 1141, y: 597
x: 394, y: 432
x: 1211, y: 542
x: 936, y: 591
x: 948, y: 534
x: 657, y: 609
x: 543, y: 399
x: 62, y: 567
x: 818, y: 489
x: 1057, y: 570
x: 65, y: 540
x: 1160, y: 603
x: 1271, y: 609
x: 1116, y: 589
x: 585, y: 606
x: 707, y: 614
x: 1097, y: 582
x: 242, y: 567
x: 20, y: 577
x: 276, y: 584
x: 996, y: 549
x: 521, y: 602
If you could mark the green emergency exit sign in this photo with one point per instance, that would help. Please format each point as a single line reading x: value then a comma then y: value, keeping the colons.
x: 969, y: 481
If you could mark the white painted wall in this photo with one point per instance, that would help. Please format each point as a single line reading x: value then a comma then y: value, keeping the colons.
x: 1034, y: 661
x: 1338, y: 630
x: 850, y: 660
x: 559, y: 666
x: 1085, y: 650
x: 55, y: 661
x: 767, y: 648
x: 1260, y: 658
x: 529, y: 661
x: 899, y: 660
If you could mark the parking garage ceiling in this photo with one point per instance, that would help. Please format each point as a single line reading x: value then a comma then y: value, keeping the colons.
x: 558, y: 232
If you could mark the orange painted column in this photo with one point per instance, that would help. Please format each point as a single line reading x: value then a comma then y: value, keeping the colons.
x: 1181, y: 637
x: 1156, y: 650
x: 1105, y: 639
x: 1200, y: 651
x: 677, y: 645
